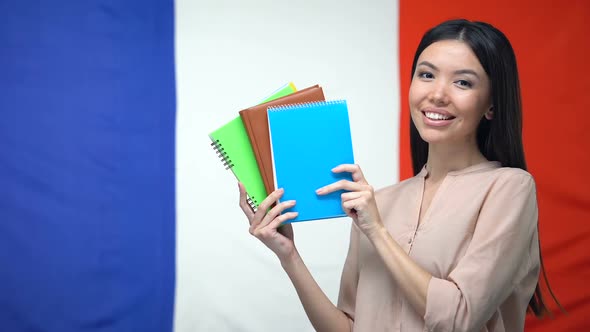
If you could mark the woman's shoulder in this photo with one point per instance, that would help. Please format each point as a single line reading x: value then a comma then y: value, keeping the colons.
x: 510, y: 181
x: 492, y: 172
x: 494, y: 176
x: 513, y: 175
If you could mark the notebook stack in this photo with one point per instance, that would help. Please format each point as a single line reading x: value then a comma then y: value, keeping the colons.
x: 291, y: 140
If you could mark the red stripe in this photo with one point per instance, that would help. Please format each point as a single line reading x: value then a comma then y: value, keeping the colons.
x: 551, y: 44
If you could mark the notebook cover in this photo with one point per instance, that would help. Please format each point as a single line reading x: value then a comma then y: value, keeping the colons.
x: 256, y: 121
x: 286, y: 89
x: 307, y: 141
x: 233, y: 146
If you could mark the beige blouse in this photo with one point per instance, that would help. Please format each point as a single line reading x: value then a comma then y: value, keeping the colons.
x: 479, y: 241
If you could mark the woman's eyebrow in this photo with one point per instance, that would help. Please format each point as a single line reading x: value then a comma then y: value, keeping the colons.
x: 466, y: 71
x: 456, y: 72
x: 428, y: 64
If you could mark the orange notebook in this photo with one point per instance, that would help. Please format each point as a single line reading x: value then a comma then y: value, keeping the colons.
x: 255, y: 120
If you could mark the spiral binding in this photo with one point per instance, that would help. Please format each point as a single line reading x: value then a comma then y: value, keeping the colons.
x: 220, y: 151
x: 310, y: 104
x: 253, y: 203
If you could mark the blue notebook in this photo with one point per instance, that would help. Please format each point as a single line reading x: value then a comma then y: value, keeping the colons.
x: 307, y: 141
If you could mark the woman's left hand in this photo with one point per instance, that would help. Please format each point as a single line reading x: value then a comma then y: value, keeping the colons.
x: 359, y: 200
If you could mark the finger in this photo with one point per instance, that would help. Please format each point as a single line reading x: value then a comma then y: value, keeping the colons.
x: 353, y: 169
x: 265, y: 233
x: 263, y: 219
x: 244, y: 205
x: 265, y: 205
x: 271, y: 199
x: 352, y: 207
x: 277, y: 222
x: 340, y: 185
x: 263, y: 226
x: 274, y: 212
x: 349, y: 209
x: 348, y: 196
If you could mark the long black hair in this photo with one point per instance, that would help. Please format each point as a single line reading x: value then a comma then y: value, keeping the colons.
x: 499, y: 139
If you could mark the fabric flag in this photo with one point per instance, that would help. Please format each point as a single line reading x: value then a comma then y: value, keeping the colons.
x: 549, y: 49
x: 87, y: 111
x: 89, y: 150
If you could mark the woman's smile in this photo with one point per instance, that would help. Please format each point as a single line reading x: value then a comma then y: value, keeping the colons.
x: 437, y: 117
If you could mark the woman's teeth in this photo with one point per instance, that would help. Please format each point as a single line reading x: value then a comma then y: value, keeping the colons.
x: 436, y: 116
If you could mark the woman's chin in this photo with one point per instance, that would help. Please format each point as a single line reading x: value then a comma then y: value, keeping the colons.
x: 434, y: 138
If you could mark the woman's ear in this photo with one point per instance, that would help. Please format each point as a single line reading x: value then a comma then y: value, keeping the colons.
x: 490, y: 113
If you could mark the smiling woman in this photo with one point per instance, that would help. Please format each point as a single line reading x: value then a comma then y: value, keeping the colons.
x: 483, y: 65
x: 449, y: 97
x: 461, y: 70
x: 454, y: 248
x: 449, y: 94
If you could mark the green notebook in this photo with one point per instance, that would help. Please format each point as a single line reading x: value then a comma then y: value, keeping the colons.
x: 286, y: 89
x: 233, y: 147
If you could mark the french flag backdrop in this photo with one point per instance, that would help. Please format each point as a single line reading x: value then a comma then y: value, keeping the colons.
x: 87, y: 102
x: 115, y: 214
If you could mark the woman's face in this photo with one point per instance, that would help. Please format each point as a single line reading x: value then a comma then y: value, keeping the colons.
x: 449, y: 93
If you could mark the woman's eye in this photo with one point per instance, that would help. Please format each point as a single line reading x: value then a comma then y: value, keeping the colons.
x: 426, y: 75
x: 464, y: 83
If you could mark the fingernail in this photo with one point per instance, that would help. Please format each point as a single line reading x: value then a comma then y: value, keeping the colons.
x: 318, y: 191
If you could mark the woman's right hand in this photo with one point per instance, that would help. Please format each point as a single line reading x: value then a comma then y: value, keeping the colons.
x: 265, y: 224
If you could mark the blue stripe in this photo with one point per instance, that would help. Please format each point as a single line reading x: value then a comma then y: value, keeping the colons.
x: 87, y: 206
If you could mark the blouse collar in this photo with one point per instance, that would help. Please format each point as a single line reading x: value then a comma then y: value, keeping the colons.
x: 470, y: 169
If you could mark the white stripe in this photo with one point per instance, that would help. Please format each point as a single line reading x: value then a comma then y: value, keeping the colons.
x: 229, y: 55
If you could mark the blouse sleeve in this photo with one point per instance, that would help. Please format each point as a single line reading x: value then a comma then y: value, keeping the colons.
x: 495, y: 261
x: 350, y: 276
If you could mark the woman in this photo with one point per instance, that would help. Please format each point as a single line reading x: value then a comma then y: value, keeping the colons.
x: 455, y: 248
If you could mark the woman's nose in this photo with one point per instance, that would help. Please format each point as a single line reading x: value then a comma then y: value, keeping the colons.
x: 438, y: 94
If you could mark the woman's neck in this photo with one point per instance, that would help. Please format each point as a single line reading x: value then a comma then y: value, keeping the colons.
x: 445, y: 158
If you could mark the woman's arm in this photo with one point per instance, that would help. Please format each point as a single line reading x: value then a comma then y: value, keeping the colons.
x: 322, y: 313
x: 359, y: 204
x: 499, y: 256
x: 495, y: 261
x: 412, y: 279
